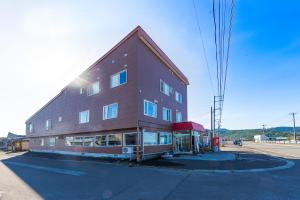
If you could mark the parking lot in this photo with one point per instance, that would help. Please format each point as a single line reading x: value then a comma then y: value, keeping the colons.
x: 24, y: 176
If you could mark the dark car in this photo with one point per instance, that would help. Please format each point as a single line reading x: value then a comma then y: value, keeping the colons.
x: 237, y: 142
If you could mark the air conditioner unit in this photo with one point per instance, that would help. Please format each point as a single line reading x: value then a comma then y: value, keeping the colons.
x: 127, y: 150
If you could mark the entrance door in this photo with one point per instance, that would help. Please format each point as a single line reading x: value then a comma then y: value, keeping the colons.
x: 182, y: 142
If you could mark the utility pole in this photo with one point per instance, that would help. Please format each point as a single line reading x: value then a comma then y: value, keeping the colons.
x: 211, y: 126
x: 264, y: 127
x: 294, y: 123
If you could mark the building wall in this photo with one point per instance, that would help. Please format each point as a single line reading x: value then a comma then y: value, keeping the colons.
x: 69, y: 102
x: 150, y: 71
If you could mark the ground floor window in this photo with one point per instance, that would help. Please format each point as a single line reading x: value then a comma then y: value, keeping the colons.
x: 74, y: 141
x: 150, y: 138
x: 114, y: 140
x: 165, y: 138
x: 42, y: 142
x: 51, y: 141
x: 130, y: 139
x: 88, y: 141
x: 108, y: 140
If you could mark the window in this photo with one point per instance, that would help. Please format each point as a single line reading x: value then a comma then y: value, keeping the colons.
x: 178, y: 97
x: 108, y: 140
x: 48, y: 124
x: 165, y: 138
x: 93, y: 89
x: 42, y: 142
x: 178, y: 116
x: 69, y: 141
x: 100, y: 140
x: 81, y: 91
x: 119, y: 78
x: 84, y: 117
x: 150, y: 138
x: 110, y: 111
x: 165, y: 88
x: 88, y: 141
x: 150, y: 109
x: 130, y: 139
x: 59, y: 119
x: 30, y: 128
x: 51, y: 142
x: 114, y: 139
x: 167, y: 114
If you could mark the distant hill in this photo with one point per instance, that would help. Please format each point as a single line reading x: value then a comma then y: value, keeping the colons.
x: 248, y: 134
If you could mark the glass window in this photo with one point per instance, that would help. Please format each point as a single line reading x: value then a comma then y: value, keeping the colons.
x: 84, y: 116
x: 100, y: 140
x: 167, y: 114
x: 51, y: 141
x: 178, y: 116
x: 30, y: 128
x: 165, y: 138
x: 42, y: 142
x: 77, y: 141
x: 88, y: 141
x: 115, y: 139
x: 69, y: 141
x: 165, y: 88
x: 110, y: 111
x: 119, y: 78
x: 150, y: 138
x: 93, y: 89
x: 178, y: 97
x: 59, y: 119
x: 150, y: 109
x: 48, y: 124
x: 130, y: 139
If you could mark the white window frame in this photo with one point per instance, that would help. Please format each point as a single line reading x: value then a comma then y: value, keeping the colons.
x: 165, y: 133
x: 118, y: 79
x: 48, y: 124
x: 105, y: 112
x: 30, y: 127
x: 42, y: 142
x: 170, y: 114
x: 167, y: 89
x: 90, y: 90
x: 51, y: 144
x: 177, y: 112
x: 153, y: 144
x: 96, y: 140
x: 178, y: 97
x: 131, y: 133
x: 85, y: 137
x: 146, y: 113
x: 88, y: 117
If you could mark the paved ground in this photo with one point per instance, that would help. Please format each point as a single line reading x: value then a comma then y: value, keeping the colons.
x: 26, y: 177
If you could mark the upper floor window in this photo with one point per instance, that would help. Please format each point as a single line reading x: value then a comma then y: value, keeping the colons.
x: 110, y: 111
x: 167, y: 114
x: 60, y: 119
x: 93, y: 89
x: 165, y: 88
x: 119, y: 78
x: 30, y: 128
x: 84, y: 117
x: 48, y: 124
x: 178, y: 97
x: 178, y: 116
x: 150, y: 109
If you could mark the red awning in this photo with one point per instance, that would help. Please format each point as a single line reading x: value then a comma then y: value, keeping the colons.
x: 188, y: 126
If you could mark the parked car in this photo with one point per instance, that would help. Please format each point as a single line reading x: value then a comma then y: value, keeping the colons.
x: 237, y: 142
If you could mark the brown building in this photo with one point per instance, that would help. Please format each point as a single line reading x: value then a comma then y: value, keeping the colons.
x: 128, y: 100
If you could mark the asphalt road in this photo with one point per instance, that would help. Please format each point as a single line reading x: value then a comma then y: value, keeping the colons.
x: 25, y: 177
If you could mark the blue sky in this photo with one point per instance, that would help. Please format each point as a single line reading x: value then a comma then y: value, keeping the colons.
x: 46, y: 44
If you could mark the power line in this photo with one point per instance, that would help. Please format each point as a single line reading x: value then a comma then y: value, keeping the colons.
x: 203, y: 46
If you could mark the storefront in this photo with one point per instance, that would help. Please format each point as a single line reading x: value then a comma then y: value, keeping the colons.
x: 188, y: 137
